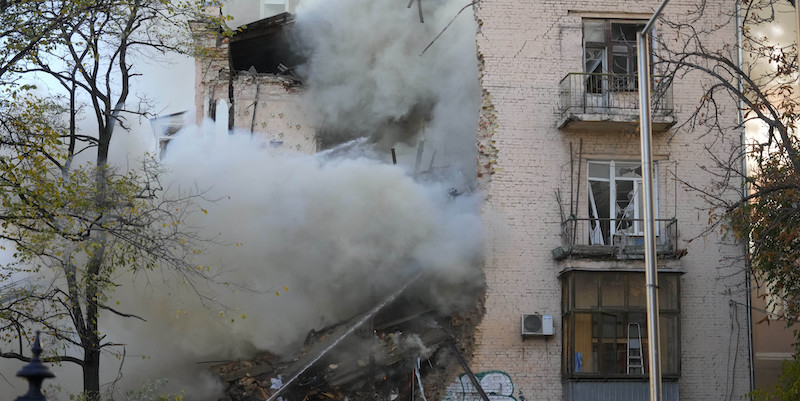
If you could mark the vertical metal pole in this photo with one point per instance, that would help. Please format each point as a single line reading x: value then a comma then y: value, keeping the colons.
x: 745, y: 190
x: 651, y: 274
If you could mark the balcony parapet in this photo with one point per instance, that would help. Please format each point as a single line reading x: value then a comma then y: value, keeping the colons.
x: 591, y: 101
x: 615, y: 239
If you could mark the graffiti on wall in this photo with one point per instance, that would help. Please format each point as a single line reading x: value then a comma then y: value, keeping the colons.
x: 497, y: 385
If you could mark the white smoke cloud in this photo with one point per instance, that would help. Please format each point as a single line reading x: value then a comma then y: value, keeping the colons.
x: 337, y: 229
x: 335, y: 232
x: 366, y: 76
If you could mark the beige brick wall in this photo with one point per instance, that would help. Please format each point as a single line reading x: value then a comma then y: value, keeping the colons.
x: 268, y: 105
x: 525, y: 49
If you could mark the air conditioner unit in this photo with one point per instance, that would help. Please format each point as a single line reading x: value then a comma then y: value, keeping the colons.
x: 537, y: 325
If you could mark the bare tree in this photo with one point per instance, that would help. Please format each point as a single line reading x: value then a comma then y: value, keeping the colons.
x: 757, y: 203
x: 75, y: 226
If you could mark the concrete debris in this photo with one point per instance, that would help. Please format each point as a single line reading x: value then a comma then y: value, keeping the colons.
x: 276, y: 382
x: 383, y: 354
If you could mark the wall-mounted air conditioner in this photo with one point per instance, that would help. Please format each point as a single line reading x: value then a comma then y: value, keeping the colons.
x: 537, y: 325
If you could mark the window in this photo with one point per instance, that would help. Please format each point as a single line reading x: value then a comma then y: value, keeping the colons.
x: 265, y: 46
x: 164, y: 128
x: 616, y: 201
x: 605, y: 325
x: 610, y: 48
x: 270, y: 8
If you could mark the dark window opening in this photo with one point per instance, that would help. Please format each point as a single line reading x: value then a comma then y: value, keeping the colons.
x: 610, y: 55
x: 264, y: 47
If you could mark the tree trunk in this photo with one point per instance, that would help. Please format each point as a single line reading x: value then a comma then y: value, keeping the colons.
x: 91, y: 373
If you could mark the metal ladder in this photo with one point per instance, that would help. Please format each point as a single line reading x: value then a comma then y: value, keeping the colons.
x: 635, y: 360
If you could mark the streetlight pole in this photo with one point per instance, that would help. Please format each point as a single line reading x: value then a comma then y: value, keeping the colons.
x: 651, y: 273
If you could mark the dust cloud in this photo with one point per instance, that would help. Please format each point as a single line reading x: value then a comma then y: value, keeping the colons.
x: 310, y: 240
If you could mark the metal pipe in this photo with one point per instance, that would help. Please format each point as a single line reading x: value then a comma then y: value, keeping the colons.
x: 649, y: 27
x: 360, y: 322
x: 651, y: 274
x: 471, y: 375
x: 745, y: 189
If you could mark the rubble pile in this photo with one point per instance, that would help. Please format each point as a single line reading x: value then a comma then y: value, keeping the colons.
x: 401, y: 353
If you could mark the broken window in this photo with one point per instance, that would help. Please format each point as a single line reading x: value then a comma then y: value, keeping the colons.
x: 610, y: 55
x: 264, y: 47
x: 615, y: 201
x: 165, y: 128
x: 605, y: 326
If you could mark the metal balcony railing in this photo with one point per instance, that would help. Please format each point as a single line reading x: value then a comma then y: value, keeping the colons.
x: 591, y: 93
x: 587, y: 236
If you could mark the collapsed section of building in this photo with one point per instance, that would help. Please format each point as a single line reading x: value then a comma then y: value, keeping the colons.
x: 255, y: 75
x: 261, y: 81
x: 303, y: 86
x: 249, y: 80
x: 400, y: 349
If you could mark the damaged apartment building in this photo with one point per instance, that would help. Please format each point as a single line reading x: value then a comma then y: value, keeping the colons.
x: 248, y: 80
x: 558, y: 166
x: 560, y: 160
x: 402, y: 348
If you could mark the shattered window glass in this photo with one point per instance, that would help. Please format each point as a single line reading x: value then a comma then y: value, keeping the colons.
x: 594, y: 31
x: 615, y: 202
x: 610, y: 49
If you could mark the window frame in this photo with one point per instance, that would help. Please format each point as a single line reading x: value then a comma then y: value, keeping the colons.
x: 164, y: 130
x: 668, y: 311
x: 610, y: 48
x: 593, y: 211
x: 268, y: 8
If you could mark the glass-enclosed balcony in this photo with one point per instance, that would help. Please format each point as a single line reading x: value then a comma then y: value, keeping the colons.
x: 591, y: 101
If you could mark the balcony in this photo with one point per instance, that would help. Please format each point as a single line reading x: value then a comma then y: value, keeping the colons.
x: 604, y: 102
x: 615, y: 239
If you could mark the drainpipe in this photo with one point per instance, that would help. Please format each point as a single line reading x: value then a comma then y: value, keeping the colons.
x: 651, y: 273
x: 745, y: 191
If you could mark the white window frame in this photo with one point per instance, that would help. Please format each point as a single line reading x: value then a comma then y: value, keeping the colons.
x: 267, y: 7
x: 637, y: 198
x: 164, y: 129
